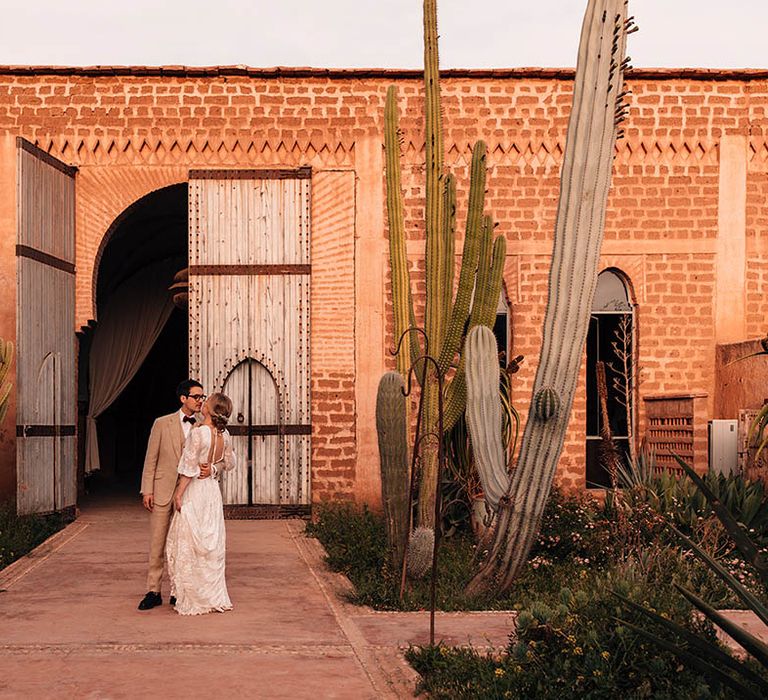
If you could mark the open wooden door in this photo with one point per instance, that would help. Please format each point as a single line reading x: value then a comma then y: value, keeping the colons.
x: 45, y: 366
x: 249, y: 274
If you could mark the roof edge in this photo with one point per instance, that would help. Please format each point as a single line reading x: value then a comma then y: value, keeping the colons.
x: 712, y: 74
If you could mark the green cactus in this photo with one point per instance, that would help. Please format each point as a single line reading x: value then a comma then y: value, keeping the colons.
x: 6, y: 357
x: 484, y: 414
x: 598, y: 109
x: 393, y: 457
x: 546, y: 403
x: 421, y: 542
x: 482, y: 261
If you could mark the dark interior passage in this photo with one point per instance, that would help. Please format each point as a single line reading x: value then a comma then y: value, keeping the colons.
x: 153, y: 231
x: 124, y: 427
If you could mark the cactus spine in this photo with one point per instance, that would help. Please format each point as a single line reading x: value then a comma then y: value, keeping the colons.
x: 484, y: 413
x: 597, y: 111
x: 6, y: 357
x: 393, y: 457
x: 421, y: 542
x: 481, y: 265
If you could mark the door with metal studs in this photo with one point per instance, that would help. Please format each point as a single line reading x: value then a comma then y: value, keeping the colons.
x: 249, y: 276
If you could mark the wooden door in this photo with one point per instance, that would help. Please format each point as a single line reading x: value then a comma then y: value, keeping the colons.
x: 45, y: 367
x: 249, y: 281
x: 256, y: 442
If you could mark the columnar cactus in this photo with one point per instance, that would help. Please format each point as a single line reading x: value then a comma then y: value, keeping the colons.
x: 393, y: 457
x: 482, y: 263
x: 598, y: 109
x: 6, y: 356
x: 484, y: 413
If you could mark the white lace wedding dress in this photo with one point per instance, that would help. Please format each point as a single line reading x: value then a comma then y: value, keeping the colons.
x: 196, y: 546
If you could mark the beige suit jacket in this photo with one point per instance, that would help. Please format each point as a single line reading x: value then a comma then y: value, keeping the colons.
x: 166, y: 443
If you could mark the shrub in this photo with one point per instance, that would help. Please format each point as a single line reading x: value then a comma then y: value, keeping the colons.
x: 574, y: 648
x: 21, y: 534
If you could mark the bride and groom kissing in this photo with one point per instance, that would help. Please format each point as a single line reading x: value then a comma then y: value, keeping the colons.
x: 187, y: 452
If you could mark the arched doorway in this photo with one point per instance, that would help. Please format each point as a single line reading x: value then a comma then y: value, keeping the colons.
x: 255, y: 435
x: 610, y: 341
x: 146, y: 246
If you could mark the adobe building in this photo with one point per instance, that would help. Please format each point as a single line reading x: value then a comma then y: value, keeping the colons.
x: 267, y: 188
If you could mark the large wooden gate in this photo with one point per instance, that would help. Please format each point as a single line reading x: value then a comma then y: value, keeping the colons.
x: 45, y: 367
x: 249, y: 279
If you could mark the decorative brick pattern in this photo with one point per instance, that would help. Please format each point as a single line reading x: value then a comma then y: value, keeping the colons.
x: 134, y: 130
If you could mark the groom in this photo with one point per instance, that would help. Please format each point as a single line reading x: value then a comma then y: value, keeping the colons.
x: 158, y: 480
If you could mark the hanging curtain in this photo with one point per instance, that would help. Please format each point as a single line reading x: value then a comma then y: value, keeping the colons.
x: 130, y: 323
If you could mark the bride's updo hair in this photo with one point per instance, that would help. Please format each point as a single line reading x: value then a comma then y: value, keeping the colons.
x: 220, y: 408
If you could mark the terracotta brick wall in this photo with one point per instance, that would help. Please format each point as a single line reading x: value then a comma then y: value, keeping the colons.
x: 133, y: 131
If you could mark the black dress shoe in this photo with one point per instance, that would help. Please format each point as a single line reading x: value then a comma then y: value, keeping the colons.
x: 150, y: 601
x: 172, y: 600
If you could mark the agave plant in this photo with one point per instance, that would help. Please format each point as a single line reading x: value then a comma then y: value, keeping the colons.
x: 757, y: 435
x: 667, y: 493
x: 704, y: 655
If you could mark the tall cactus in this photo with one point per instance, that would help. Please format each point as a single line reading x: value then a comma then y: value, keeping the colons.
x: 6, y: 356
x: 597, y: 110
x: 482, y: 261
x: 484, y: 414
x: 393, y: 457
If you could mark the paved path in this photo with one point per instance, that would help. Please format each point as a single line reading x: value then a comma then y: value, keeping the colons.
x: 69, y: 627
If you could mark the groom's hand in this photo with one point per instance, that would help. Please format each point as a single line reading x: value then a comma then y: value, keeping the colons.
x: 205, y: 471
x: 149, y: 501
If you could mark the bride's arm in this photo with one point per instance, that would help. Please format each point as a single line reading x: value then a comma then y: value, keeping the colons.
x: 181, y: 487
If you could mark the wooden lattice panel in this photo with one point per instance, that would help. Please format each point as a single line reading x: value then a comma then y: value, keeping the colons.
x: 670, y: 430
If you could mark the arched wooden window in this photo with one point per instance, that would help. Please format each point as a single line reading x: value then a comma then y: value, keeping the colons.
x: 611, y: 341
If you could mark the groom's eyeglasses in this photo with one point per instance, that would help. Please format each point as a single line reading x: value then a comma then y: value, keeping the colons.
x: 198, y: 397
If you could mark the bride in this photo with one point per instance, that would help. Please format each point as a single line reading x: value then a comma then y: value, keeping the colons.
x: 196, y: 543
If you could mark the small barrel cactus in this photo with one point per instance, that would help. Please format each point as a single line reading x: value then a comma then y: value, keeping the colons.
x: 546, y: 403
x: 421, y: 545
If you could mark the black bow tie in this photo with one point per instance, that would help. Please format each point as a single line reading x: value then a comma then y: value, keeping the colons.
x: 189, y: 419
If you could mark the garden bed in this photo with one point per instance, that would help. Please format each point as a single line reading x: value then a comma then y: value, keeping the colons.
x: 19, y: 535
x: 571, y: 637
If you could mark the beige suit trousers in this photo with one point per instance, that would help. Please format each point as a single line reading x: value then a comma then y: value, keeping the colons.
x: 159, y: 522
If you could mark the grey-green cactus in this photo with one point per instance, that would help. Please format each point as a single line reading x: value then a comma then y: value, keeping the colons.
x: 482, y: 260
x: 421, y: 544
x: 484, y: 413
x: 393, y: 458
x: 598, y: 108
x: 6, y: 357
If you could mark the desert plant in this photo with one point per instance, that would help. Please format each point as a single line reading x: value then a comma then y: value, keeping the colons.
x: 685, y: 504
x: 483, y: 413
x: 625, y: 376
x: 393, y: 458
x: 421, y: 544
x: 482, y: 261
x: 598, y: 109
x: 461, y: 484
x: 704, y: 654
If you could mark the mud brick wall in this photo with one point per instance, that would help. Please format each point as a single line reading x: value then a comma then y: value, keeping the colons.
x: 133, y: 130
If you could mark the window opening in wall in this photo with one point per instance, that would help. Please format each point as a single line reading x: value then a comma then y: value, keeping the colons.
x: 501, y: 328
x: 610, y: 340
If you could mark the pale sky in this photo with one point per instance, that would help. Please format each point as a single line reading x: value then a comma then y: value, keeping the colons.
x: 369, y: 33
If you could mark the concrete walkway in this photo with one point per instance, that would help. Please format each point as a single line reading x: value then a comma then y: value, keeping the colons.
x: 69, y: 627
